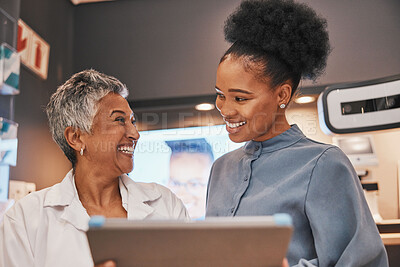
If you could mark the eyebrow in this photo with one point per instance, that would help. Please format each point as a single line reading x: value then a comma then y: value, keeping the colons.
x: 234, y: 90
x: 120, y: 111
x: 117, y: 111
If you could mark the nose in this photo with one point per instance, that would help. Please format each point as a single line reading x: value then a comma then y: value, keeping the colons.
x: 132, y: 132
x: 225, y: 108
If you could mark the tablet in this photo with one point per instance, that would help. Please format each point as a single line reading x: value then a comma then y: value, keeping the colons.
x: 215, y: 241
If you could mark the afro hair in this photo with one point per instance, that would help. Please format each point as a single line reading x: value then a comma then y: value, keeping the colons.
x: 291, y: 32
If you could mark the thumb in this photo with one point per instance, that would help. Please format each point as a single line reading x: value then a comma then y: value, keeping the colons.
x: 106, y: 264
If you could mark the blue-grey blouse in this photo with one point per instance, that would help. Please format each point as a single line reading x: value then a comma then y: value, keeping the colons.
x: 313, y: 182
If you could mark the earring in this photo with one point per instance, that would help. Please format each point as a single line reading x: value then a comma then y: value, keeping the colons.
x: 282, y: 105
x: 81, y: 151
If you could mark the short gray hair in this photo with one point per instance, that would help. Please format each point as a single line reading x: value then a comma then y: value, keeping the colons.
x: 75, y: 104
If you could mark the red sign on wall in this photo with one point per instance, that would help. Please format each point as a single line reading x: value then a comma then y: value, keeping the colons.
x: 33, y: 50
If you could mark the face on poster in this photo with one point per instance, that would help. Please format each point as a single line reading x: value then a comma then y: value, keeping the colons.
x: 181, y: 159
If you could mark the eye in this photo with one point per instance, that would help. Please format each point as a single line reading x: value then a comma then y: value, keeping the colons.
x: 240, y: 99
x: 176, y: 183
x: 120, y: 119
x: 220, y: 96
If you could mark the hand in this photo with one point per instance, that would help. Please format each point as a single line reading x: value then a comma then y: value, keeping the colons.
x: 106, y: 264
x: 285, y: 263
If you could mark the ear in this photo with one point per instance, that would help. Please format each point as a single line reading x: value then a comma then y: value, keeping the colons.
x: 74, y: 138
x: 284, y: 94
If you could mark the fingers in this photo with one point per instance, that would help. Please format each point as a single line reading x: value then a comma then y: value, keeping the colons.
x: 285, y: 263
x: 106, y: 264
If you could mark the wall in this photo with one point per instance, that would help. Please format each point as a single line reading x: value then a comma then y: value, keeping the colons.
x: 386, y: 142
x: 171, y: 48
x: 158, y: 48
x: 365, y: 36
x: 39, y: 159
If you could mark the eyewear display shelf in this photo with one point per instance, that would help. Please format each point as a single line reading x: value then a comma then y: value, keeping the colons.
x: 390, y: 234
x: 9, y: 88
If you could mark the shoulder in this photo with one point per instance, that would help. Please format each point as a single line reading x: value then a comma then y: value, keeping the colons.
x: 32, y: 205
x: 332, y: 166
x: 333, y: 154
x: 28, y: 206
x: 30, y: 212
x: 316, y: 146
x: 325, y: 154
x: 320, y: 151
x: 27, y: 214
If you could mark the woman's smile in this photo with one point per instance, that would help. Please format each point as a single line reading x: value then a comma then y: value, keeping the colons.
x: 126, y: 149
x: 234, y: 127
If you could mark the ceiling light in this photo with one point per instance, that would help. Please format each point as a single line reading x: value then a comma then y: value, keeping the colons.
x: 305, y: 99
x: 204, y: 107
x: 77, y: 2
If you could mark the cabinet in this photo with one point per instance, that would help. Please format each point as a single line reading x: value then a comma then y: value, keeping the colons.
x: 9, y: 89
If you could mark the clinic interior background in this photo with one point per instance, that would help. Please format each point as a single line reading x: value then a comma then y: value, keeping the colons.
x: 170, y: 50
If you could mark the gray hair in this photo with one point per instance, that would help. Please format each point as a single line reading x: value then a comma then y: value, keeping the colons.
x: 75, y: 104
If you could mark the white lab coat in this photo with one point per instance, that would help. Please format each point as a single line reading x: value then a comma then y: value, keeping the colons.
x: 47, y: 228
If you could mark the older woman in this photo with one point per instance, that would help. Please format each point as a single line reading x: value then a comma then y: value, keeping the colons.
x: 94, y: 126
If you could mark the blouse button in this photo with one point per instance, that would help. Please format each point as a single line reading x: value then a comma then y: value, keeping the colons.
x: 246, y: 178
x: 232, y: 210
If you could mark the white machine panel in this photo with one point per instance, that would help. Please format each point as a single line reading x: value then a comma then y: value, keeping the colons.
x: 360, y: 107
x: 359, y: 149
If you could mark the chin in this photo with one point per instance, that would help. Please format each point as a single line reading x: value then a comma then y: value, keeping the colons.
x: 238, y: 139
x: 126, y: 169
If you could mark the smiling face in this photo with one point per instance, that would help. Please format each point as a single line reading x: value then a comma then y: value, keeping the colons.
x: 249, y: 107
x: 109, y: 147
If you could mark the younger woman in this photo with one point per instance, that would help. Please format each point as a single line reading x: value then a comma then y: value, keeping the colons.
x: 275, y: 44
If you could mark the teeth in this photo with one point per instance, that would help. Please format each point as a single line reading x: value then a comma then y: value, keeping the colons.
x: 126, y: 149
x: 235, y: 124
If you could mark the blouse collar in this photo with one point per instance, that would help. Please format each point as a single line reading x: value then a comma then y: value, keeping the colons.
x: 285, y: 139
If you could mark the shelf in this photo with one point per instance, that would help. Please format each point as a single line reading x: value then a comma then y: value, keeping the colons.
x: 9, y: 70
x: 389, y: 226
x: 5, y: 89
x: 9, y: 87
x: 8, y: 142
x: 392, y: 239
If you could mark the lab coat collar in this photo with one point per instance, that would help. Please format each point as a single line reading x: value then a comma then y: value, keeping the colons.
x: 65, y: 195
x: 137, y: 198
x: 61, y: 194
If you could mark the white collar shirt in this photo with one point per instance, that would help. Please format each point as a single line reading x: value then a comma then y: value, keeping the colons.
x: 48, y: 227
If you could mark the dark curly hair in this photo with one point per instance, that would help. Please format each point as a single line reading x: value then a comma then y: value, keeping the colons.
x: 284, y: 40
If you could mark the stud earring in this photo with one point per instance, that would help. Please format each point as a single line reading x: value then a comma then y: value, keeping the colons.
x: 282, y: 105
x: 81, y: 151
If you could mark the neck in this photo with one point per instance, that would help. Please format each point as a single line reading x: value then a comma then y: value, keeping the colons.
x: 96, y: 188
x: 279, y: 126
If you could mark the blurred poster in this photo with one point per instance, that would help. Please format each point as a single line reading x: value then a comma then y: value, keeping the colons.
x: 181, y: 159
